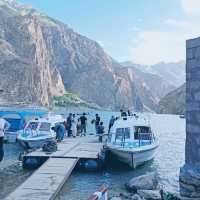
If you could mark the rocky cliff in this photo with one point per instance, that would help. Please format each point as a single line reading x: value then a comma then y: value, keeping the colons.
x: 27, y: 74
x: 42, y: 57
x: 151, y: 88
x: 174, y: 102
x: 171, y: 73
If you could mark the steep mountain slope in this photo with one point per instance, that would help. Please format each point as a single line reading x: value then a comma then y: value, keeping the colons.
x: 171, y: 73
x: 42, y: 57
x: 150, y: 87
x: 174, y: 73
x: 174, y: 102
x: 26, y: 72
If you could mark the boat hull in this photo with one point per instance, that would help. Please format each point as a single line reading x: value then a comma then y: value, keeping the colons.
x: 34, y: 144
x: 134, y: 158
x: 11, y: 137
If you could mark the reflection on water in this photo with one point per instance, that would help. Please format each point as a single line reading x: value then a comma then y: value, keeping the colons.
x: 170, y: 157
x: 11, y: 154
x: 11, y: 177
x: 11, y: 173
x: 82, y: 185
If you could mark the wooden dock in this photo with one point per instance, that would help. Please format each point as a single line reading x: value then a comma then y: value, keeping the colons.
x: 47, y: 181
x: 73, y: 148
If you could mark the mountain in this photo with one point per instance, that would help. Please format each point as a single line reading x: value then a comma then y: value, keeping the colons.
x: 27, y: 74
x: 42, y: 58
x: 174, y: 102
x: 150, y: 87
x: 172, y: 73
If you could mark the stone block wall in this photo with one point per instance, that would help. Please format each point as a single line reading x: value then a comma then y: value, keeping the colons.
x: 190, y: 172
x: 193, y: 101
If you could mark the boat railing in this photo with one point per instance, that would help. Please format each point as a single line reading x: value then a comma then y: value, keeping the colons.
x: 145, y: 136
x: 101, y: 194
x: 30, y: 131
x: 141, y: 139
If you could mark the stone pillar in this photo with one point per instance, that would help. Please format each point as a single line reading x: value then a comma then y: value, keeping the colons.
x: 190, y: 172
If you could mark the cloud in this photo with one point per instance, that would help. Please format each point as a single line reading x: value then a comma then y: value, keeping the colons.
x: 156, y: 46
x: 135, y: 29
x: 177, y: 24
x: 169, y: 46
x: 191, y: 6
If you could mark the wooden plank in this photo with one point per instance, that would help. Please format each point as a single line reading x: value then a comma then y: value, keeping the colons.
x: 63, y: 148
x: 71, y: 148
x: 46, y: 182
x: 85, y: 150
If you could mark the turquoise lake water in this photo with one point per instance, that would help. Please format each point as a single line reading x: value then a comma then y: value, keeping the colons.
x: 170, y: 130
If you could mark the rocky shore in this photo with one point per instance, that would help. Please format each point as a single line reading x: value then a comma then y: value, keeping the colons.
x: 144, y: 187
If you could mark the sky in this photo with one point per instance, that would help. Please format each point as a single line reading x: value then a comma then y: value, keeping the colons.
x: 141, y: 31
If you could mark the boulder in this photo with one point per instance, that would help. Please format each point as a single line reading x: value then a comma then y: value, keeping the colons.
x: 124, y: 196
x: 136, y: 197
x: 150, y: 194
x: 144, y: 182
x: 115, y: 198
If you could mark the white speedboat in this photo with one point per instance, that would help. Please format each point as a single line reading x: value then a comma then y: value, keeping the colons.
x: 39, y: 131
x: 132, y: 140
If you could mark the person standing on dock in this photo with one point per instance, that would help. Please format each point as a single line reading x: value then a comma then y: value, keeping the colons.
x: 96, y: 121
x: 74, y: 123
x: 111, y: 123
x: 78, y: 127
x: 83, y: 120
x: 100, y: 131
x: 69, y: 124
x: 4, y: 125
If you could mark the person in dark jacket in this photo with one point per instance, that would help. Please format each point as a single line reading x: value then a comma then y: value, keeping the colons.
x: 100, y: 131
x: 96, y: 122
x: 111, y: 123
x: 69, y: 125
x: 83, y: 120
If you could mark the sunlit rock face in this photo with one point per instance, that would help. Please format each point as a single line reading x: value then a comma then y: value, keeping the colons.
x: 27, y: 74
x: 190, y: 173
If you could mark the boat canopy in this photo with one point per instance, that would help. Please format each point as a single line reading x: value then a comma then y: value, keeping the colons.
x: 131, y: 129
x: 18, y: 118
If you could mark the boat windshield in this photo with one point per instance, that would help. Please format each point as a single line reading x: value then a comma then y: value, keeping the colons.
x: 45, y: 126
x: 122, y: 134
x: 142, y: 133
x: 142, y: 129
x: 32, y: 125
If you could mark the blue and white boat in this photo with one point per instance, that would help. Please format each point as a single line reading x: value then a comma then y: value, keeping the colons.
x: 132, y: 140
x: 39, y: 131
x: 17, y: 118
